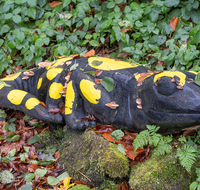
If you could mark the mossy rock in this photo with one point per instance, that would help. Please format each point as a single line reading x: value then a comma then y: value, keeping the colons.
x: 92, y: 159
x: 161, y: 173
x: 55, y: 138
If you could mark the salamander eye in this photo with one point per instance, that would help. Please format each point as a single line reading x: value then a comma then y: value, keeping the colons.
x: 165, y: 86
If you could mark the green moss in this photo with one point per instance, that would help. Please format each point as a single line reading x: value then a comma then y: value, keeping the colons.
x: 80, y: 187
x: 51, y: 138
x: 94, y: 157
x: 163, y: 172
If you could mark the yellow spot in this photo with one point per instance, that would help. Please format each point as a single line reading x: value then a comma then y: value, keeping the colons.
x: 193, y: 72
x: 39, y: 83
x: 2, y: 85
x: 109, y: 64
x: 89, y: 91
x: 52, y: 73
x: 54, y: 90
x: 171, y: 74
x: 11, y: 77
x: 69, y: 100
x: 31, y: 103
x: 141, y: 76
x: 16, y: 96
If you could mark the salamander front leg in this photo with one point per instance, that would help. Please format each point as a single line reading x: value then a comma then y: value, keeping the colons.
x: 74, y: 109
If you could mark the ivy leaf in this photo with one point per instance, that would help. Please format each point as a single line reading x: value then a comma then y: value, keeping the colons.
x: 197, y: 79
x: 108, y: 83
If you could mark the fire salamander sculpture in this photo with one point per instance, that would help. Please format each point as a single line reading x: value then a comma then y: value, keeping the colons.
x: 139, y: 96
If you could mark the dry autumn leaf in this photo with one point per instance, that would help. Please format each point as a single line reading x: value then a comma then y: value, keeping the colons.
x: 54, y: 4
x: 112, y: 105
x: 98, y: 81
x: 25, y: 78
x: 54, y: 110
x: 43, y: 104
x: 89, y: 53
x: 75, y: 56
x: 173, y: 23
x: 98, y: 73
x: 108, y: 137
x: 44, y: 64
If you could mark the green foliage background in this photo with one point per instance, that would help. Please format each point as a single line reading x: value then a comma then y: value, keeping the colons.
x: 31, y: 31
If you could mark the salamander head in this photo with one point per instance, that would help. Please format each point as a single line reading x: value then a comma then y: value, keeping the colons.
x: 171, y: 100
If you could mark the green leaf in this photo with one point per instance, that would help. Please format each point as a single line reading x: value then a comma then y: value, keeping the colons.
x: 153, y: 16
x: 108, y: 83
x: 5, y: 28
x: 17, y: 19
x: 8, y: 16
x: 94, y: 43
x: 20, y: 35
x: 197, y: 79
x: 26, y: 187
x: 66, y: 3
x: 91, y: 73
x: 33, y: 139
x: 12, y: 44
x: 118, y: 1
x: 29, y: 177
x: 31, y: 12
x: 117, y: 134
x: 41, y: 172
x: 3, y: 113
x: 32, y: 3
x: 42, y: 3
x: 161, y: 39
x: 62, y: 176
x: 74, y: 66
x: 196, y: 39
x: 195, y: 16
x: 12, y: 152
x: 193, y: 185
x: 15, y: 138
x: 171, y: 3
x: 39, y: 42
x: 12, y: 127
x: 52, y: 180
x: 188, y: 56
x: 6, y: 177
x: 9, y: 137
x: 110, y: 5
x: 121, y: 148
x: 96, y: 62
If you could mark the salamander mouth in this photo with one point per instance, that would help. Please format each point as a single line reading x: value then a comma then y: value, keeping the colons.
x: 172, y: 122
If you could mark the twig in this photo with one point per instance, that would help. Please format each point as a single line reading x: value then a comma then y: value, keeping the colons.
x: 82, y: 174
